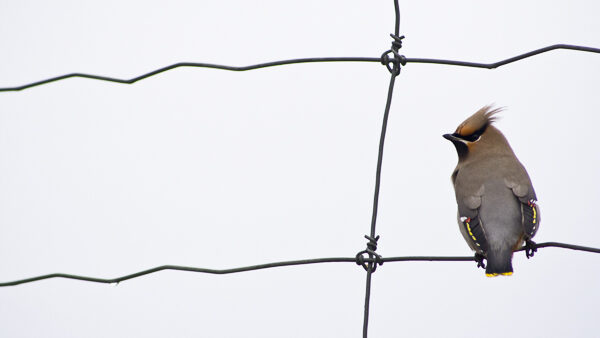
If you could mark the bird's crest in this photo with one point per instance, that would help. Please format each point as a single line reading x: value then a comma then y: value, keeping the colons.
x: 478, y: 121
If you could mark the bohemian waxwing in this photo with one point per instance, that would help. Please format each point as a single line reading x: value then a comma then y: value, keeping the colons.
x: 497, y: 210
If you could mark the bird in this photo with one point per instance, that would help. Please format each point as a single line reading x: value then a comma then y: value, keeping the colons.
x: 497, y: 205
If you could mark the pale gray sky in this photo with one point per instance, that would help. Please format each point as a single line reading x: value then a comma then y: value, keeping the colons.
x: 220, y: 169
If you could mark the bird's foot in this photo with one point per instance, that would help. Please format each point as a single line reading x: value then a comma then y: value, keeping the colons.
x: 530, y: 248
x: 479, y: 259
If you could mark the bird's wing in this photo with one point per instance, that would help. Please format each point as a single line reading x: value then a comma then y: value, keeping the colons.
x: 470, y: 222
x: 529, y: 209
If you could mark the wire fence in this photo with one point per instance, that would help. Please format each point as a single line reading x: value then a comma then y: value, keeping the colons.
x: 369, y: 259
x: 403, y: 61
x: 277, y: 265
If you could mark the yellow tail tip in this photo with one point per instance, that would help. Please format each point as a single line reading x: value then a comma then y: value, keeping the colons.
x: 495, y: 274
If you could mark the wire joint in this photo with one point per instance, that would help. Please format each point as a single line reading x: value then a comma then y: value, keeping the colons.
x: 374, y: 259
x: 391, y: 59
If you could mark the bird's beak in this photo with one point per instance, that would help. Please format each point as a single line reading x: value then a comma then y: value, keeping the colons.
x: 451, y: 137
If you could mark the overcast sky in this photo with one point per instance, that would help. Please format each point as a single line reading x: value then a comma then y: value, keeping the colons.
x: 220, y: 169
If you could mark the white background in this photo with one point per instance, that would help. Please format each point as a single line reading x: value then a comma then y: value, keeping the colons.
x: 222, y: 169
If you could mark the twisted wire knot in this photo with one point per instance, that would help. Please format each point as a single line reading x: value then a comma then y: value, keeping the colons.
x: 374, y: 258
x: 397, y: 43
x: 393, y: 63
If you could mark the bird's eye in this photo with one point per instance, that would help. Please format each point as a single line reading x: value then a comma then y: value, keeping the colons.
x: 473, y: 137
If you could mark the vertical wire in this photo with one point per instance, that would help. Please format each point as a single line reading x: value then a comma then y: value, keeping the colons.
x: 367, y: 296
x: 380, y: 155
x: 395, y: 71
x: 397, y: 23
x: 376, y: 198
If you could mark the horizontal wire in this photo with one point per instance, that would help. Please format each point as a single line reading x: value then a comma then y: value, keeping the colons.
x: 182, y: 268
x: 304, y: 60
x: 280, y: 264
x: 503, y: 62
x: 193, y: 64
x: 564, y: 246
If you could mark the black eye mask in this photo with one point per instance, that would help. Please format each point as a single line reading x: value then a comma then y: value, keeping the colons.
x: 474, y: 136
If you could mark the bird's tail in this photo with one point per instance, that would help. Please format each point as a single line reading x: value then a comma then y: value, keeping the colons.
x: 499, y: 262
